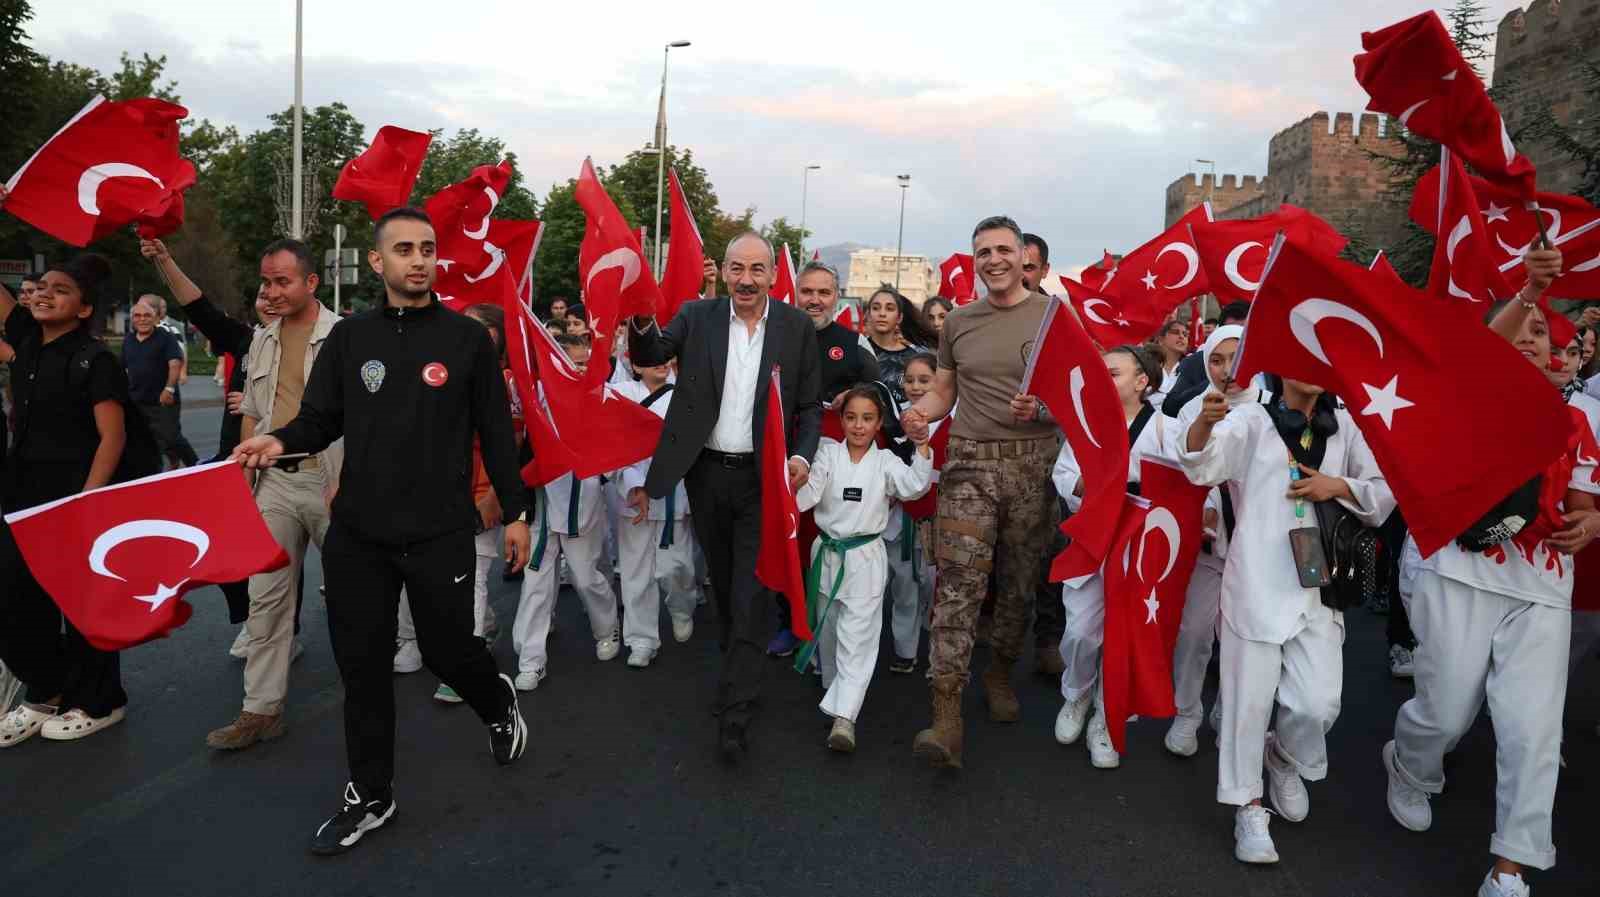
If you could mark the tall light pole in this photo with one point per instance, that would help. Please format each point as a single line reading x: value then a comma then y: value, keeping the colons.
x: 805, y: 183
x: 899, y: 241
x: 661, y: 149
x: 296, y: 186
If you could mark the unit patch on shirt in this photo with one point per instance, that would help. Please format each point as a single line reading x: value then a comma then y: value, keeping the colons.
x: 372, y: 375
x: 435, y: 374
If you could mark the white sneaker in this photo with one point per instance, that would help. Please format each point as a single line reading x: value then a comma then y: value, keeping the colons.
x: 607, y: 648
x: 638, y: 658
x: 1183, y: 736
x: 407, y: 656
x: 843, y: 736
x: 75, y: 724
x: 297, y: 648
x: 1401, y: 663
x: 682, y: 630
x: 1284, y: 786
x: 530, y: 680
x: 23, y: 722
x: 1408, y: 805
x: 1252, y: 842
x: 1101, y: 754
x: 1503, y: 886
x: 239, y: 650
x: 1070, y: 720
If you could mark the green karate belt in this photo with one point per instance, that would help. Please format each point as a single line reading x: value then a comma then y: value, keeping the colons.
x: 816, y: 616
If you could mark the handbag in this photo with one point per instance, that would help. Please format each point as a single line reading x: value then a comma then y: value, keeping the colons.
x: 1355, y: 557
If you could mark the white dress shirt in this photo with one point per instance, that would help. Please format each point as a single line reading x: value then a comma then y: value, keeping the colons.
x: 735, y: 429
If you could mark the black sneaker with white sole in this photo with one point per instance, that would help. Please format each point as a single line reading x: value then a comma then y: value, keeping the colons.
x: 361, y: 814
x: 508, y: 738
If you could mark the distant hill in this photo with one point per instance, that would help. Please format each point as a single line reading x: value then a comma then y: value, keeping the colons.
x: 837, y: 257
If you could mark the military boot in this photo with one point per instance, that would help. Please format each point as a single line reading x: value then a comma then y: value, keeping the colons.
x: 940, y: 744
x: 997, y: 693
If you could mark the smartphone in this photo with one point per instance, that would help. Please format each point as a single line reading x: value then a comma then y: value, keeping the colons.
x: 1310, y: 558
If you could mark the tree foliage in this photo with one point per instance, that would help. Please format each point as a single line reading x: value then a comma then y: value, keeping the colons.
x: 1579, y: 141
x: 779, y: 232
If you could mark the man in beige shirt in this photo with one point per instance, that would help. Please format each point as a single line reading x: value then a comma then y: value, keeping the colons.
x: 993, y: 492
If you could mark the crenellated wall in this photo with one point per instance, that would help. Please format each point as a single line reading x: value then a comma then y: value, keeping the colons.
x: 1538, y: 64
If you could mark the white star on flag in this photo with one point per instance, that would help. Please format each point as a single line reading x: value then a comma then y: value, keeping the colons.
x: 1386, y: 401
x: 1152, y: 605
x: 162, y: 594
x: 1149, y: 279
x: 1494, y: 213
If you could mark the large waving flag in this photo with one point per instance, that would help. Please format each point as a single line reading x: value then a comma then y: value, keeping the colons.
x: 601, y: 430
x: 686, y: 256
x: 617, y: 284
x: 778, y: 564
x: 383, y: 175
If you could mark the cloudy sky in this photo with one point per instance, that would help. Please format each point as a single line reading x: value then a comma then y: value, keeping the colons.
x: 1070, y: 116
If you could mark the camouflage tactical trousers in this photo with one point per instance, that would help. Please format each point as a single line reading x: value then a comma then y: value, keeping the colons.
x: 994, y: 514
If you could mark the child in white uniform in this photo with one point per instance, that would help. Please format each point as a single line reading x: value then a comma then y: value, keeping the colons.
x: 1276, y: 635
x: 569, y: 522
x: 910, y: 579
x: 1496, y: 625
x: 851, y: 486
x: 653, y: 542
x: 1084, y: 598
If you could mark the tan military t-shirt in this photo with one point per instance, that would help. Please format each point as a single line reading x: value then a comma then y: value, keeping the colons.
x: 988, y: 349
x: 293, y: 343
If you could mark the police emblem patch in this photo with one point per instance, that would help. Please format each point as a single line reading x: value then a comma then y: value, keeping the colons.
x: 372, y: 375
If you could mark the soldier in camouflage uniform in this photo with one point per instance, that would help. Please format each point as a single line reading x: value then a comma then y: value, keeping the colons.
x: 994, y: 498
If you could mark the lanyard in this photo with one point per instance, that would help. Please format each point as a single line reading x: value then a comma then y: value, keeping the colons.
x: 1294, y: 471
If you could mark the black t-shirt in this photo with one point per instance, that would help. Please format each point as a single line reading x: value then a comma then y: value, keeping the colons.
x: 892, y: 367
x: 54, y: 406
x: 146, y: 363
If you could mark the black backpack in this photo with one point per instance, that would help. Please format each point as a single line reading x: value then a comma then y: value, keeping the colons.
x: 141, y: 457
x: 1505, y: 519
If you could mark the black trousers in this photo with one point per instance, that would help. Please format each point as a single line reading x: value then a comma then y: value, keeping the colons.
x: 725, y: 504
x: 1398, y: 626
x: 364, y: 579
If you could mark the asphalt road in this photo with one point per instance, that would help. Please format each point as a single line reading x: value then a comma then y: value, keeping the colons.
x: 620, y: 791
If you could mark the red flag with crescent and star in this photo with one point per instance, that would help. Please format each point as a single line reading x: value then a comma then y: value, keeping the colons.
x: 1066, y: 373
x: 1400, y: 359
x: 551, y: 457
x: 601, y: 430
x: 783, y: 279
x: 462, y: 215
x: 1149, y: 283
x: 118, y: 560
x: 1464, y: 262
x: 684, y: 274
x: 778, y: 565
x: 1233, y: 253
x: 1098, y: 316
x: 384, y: 173
x: 1413, y: 71
x: 617, y: 284
x: 1380, y: 265
x: 1096, y: 274
x: 956, y: 278
x: 111, y: 165
x: 1146, y: 581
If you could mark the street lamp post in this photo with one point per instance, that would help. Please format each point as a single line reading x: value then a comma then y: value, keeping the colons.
x: 899, y: 241
x: 805, y: 183
x: 661, y: 149
x: 296, y: 185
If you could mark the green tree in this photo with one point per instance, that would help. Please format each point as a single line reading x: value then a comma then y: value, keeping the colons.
x: 555, y: 270
x: 1579, y: 140
x: 20, y: 68
x: 451, y: 161
x: 633, y: 181
x: 780, y: 232
x: 1469, y: 28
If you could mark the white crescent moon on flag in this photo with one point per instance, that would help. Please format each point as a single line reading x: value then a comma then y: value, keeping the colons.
x: 1405, y: 117
x: 144, y: 529
x: 1089, y: 312
x: 1230, y: 266
x: 1161, y: 519
x: 1506, y: 146
x: 624, y: 258
x: 1075, y: 385
x: 497, y: 257
x: 89, y: 182
x: 1303, y: 320
x: 1189, y: 255
x: 1461, y: 231
x: 483, y: 228
x: 563, y: 368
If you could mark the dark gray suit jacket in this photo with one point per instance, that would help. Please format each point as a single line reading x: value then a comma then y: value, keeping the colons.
x: 698, y: 338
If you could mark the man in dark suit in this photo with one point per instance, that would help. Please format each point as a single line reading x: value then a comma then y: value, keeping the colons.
x: 726, y: 351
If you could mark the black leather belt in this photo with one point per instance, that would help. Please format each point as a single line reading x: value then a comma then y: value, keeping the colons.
x: 729, y: 460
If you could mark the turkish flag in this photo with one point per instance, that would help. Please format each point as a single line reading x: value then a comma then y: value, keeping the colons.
x: 1413, y: 71
x: 118, y: 560
x: 519, y: 240
x: 1380, y: 264
x: 1146, y: 580
x: 383, y: 175
x: 111, y: 165
x: 1066, y: 373
x: 846, y: 318
x: 783, y: 279
x: 956, y: 278
x: 778, y: 565
x: 1572, y: 225
x: 686, y: 257
x: 1234, y: 253
x: 462, y: 214
x: 1402, y: 360
x: 1095, y: 275
x: 609, y: 245
x: 1464, y: 264
x: 602, y: 430
x: 1149, y: 283
x: 1098, y: 316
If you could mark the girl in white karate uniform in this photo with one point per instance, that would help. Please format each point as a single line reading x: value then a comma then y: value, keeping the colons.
x: 910, y: 574
x: 852, y: 486
x: 1133, y: 371
x: 653, y: 542
x: 1496, y: 625
x: 1276, y: 635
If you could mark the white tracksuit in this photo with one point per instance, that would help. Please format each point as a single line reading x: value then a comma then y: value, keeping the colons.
x: 1084, y: 598
x: 655, y: 556
x: 1277, y: 636
x: 1494, y: 625
x: 573, y: 515
x: 855, y: 499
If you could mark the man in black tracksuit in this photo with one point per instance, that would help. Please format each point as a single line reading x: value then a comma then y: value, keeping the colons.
x: 408, y: 386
